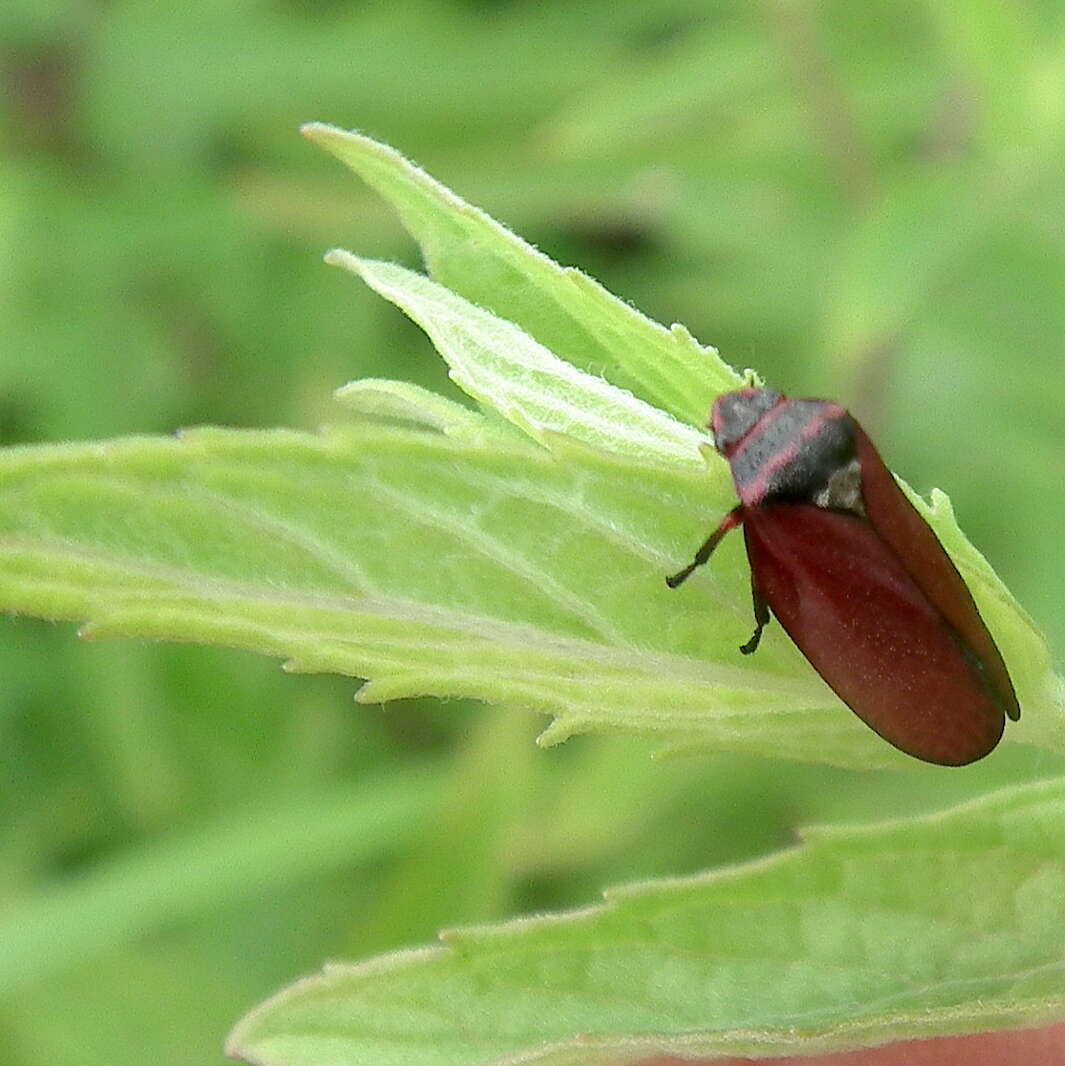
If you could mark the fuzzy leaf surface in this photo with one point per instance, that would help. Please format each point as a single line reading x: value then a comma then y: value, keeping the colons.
x: 507, y: 371
x: 430, y: 565
x: 562, y: 308
x: 483, y: 566
x: 819, y: 948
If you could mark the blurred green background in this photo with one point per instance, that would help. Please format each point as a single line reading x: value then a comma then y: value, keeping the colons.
x: 863, y: 201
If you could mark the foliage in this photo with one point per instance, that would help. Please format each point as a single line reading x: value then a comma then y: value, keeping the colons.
x: 458, y: 556
x: 811, y: 950
x: 862, y: 204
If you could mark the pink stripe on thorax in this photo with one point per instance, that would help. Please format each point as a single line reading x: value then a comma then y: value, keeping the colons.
x: 753, y: 491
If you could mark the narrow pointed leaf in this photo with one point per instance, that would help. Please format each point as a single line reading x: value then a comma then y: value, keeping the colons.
x: 507, y: 371
x: 565, y: 310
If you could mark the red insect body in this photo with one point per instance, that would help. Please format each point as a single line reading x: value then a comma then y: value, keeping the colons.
x: 857, y: 578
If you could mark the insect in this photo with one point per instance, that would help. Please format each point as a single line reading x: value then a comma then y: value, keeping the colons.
x: 857, y: 578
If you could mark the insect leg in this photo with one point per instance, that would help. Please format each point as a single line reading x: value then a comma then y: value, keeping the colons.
x: 730, y: 521
x: 761, y: 618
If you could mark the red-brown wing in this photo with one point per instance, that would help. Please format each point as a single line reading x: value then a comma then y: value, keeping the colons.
x: 909, y: 536
x: 869, y: 629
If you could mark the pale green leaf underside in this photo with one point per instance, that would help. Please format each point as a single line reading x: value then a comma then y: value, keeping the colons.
x: 430, y: 565
x: 479, y: 566
x: 400, y: 401
x: 860, y: 936
x: 505, y: 370
x: 565, y: 310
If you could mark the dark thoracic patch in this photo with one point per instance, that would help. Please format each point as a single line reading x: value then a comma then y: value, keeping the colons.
x: 739, y: 412
x: 795, y: 465
x: 824, y: 470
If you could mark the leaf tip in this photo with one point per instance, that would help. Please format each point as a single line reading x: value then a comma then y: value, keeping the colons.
x: 329, y: 136
x: 940, y: 505
x: 559, y: 730
x: 682, y: 335
x: 233, y: 1047
x: 315, y: 130
x: 240, y: 1040
x: 380, y: 690
x: 342, y: 258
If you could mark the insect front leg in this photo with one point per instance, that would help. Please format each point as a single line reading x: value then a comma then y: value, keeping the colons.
x: 761, y: 618
x: 730, y: 521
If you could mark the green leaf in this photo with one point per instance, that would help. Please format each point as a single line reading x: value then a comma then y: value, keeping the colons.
x: 563, y: 309
x: 431, y: 565
x: 483, y: 566
x: 453, y: 556
x: 1017, y: 635
x: 400, y: 401
x: 507, y: 371
x: 814, y: 949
